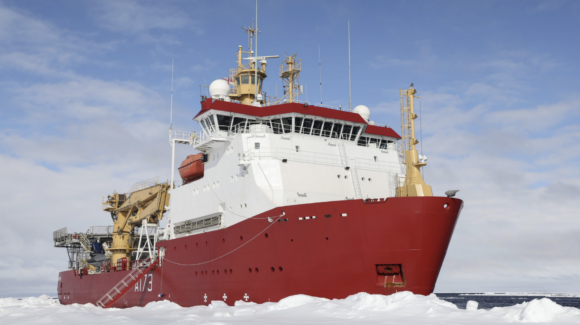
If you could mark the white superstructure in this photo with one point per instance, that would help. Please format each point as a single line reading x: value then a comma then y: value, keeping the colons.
x: 255, y: 164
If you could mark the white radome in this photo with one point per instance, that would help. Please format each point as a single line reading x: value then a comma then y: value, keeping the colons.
x: 363, y: 111
x: 219, y: 89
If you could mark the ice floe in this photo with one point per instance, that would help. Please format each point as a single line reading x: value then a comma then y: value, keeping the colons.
x: 362, y: 308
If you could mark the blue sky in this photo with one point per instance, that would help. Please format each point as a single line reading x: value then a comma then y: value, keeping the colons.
x: 84, y: 110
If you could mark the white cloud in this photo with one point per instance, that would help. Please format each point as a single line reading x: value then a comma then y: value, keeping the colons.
x: 133, y: 17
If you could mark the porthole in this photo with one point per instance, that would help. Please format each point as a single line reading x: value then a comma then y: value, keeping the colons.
x: 326, y: 238
x: 280, y: 268
x: 225, y: 271
x: 205, y: 243
x: 345, y: 177
x: 250, y: 269
x: 363, y: 178
x: 369, y: 179
x: 445, y: 206
x: 223, y: 240
x: 231, y: 271
x: 338, y: 176
x: 273, y: 269
x: 266, y: 235
x: 257, y: 270
x: 241, y: 237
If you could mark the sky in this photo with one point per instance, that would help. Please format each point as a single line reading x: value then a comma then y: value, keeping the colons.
x: 85, y: 108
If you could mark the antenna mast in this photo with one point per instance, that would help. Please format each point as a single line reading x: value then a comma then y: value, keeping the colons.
x: 171, y: 109
x: 349, y: 87
x: 256, y: 58
x: 320, y: 71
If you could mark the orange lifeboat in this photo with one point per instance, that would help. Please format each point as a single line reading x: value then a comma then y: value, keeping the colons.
x: 191, y: 168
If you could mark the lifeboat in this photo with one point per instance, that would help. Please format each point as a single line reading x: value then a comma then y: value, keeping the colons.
x: 191, y: 168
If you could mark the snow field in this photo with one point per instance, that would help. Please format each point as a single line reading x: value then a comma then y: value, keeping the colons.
x: 362, y: 308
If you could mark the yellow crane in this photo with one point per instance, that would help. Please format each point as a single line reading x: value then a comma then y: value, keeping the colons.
x: 414, y: 184
x: 145, y: 201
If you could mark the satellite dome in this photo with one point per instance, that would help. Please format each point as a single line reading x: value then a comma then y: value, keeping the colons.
x: 219, y: 89
x: 363, y: 111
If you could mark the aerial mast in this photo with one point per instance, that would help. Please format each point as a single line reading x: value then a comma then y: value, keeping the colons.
x: 414, y: 184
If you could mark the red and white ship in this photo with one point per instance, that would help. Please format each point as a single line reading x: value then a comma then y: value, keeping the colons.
x: 283, y: 197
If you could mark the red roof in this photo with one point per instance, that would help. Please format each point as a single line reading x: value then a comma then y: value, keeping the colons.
x: 382, y: 130
x: 223, y: 106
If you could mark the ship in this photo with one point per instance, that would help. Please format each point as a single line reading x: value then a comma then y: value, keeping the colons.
x: 278, y: 197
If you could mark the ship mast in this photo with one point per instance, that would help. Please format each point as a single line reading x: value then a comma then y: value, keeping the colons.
x: 414, y: 184
x: 248, y: 78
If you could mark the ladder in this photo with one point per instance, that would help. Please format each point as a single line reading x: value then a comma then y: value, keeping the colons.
x: 85, y: 242
x: 353, y: 171
x: 128, y: 282
x: 355, y: 183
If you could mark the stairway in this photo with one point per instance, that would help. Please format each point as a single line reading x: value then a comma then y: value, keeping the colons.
x: 128, y: 282
x: 85, y: 242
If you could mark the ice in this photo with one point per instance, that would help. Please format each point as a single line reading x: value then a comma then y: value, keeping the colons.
x: 361, y: 308
x: 472, y: 305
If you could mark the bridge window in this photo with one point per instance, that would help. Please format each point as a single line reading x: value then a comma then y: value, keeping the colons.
x: 336, y: 130
x: 307, y: 126
x: 326, y: 129
x: 277, y: 126
x: 345, y: 135
x: 204, y: 126
x: 210, y: 123
x: 245, y: 80
x: 373, y: 142
x: 239, y: 124
x: 362, y: 141
x: 317, y: 127
x: 238, y: 80
x: 224, y: 122
x: 298, y: 125
x: 354, y: 133
x: 287, y: 124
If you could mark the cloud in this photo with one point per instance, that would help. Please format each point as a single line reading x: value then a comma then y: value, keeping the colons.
x: 134, y: 17
x: 39, y: 47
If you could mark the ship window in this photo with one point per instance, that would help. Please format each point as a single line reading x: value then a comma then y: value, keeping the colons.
x: 354, y: 133
x: 239, y: 124
x: 253, y: 80
x: 277, y: 126
x: 362, y: 141
x: 336, y: 130
x: 210, y: 123
x: 383, y: 144
x: 373, y: 142
x: 287, y: 124
x: 224, y: 122
x: 204, y: 126
x: 238, y: 80
x: 245, y: 80
x: 317, y: 127
x: 257, y: 146
x: 307, y: 126
x: 345, y: 135
x: 298, y: 125
x: 326, y: 129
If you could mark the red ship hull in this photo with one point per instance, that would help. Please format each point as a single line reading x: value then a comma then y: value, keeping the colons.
x: 331, y: 257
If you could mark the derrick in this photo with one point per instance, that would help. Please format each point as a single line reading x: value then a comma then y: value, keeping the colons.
x: 413, y: 185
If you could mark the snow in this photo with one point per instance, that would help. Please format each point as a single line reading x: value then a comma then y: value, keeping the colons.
x: 523, y: 294
x: 362, y: 308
